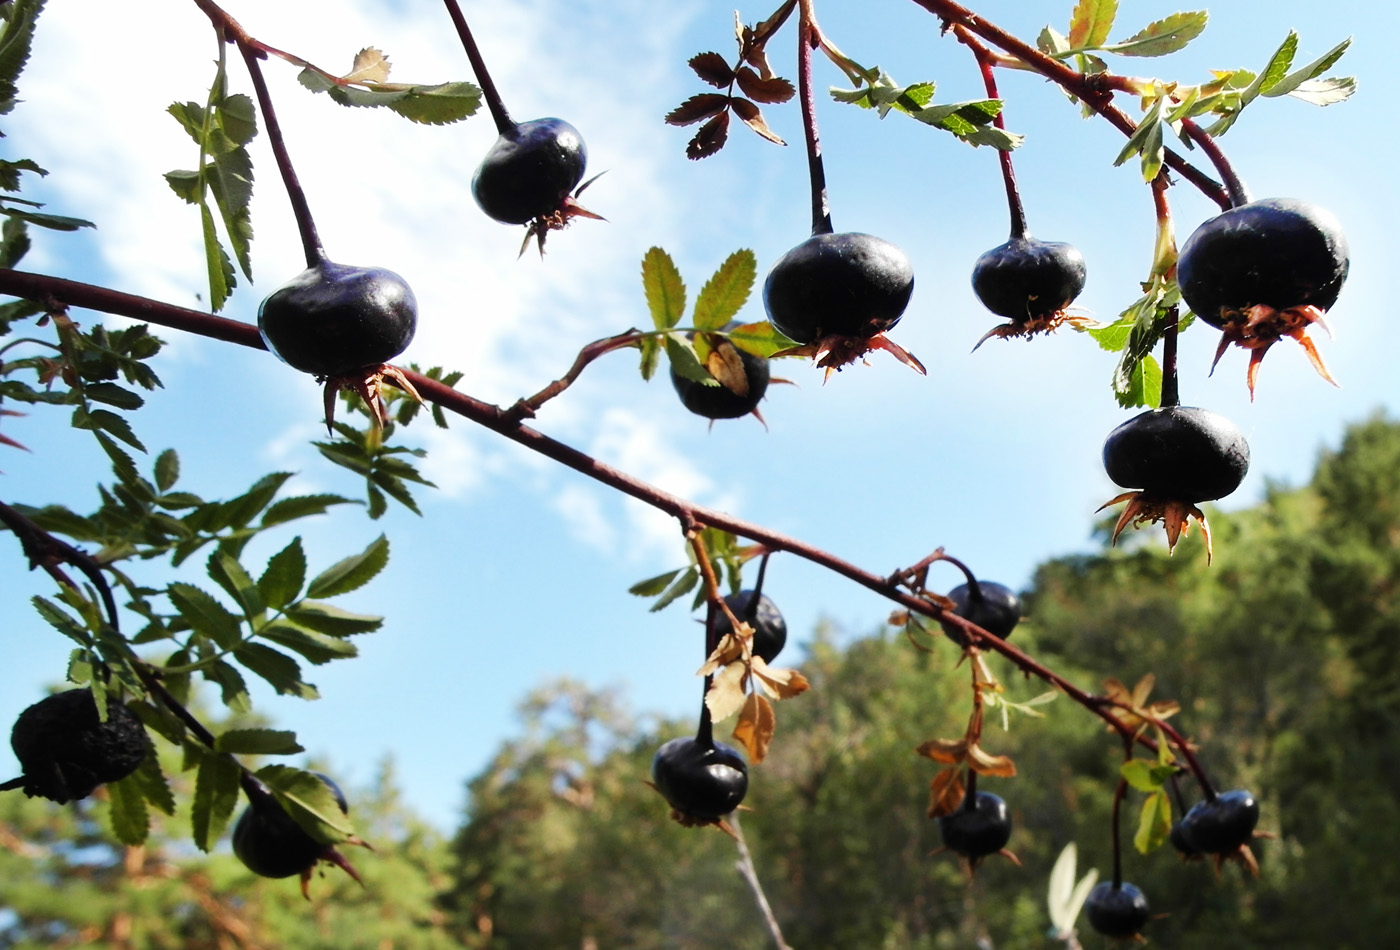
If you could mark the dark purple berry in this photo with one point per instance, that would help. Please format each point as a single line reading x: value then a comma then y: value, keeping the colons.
x: 980, y: 826
x: 270, y: 843
x: 769, y: 627
x: 837, y: 294
x: 336, y: 321
x: 1221, y: 824
x: 530, y: 171
x: 993, y: 607
x: 1174, y: 458
x: 702, y: 781
x: 1116, y: 910
x: 1029, y: 282
x: 718, y: 401
x: 66, y: 751
x: 1262, y: 271
x: 1183, y: 847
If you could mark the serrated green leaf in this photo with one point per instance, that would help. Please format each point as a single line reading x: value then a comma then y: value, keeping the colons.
x: 239, y: 512
x: 394, y: 487
x: 314, y: 80
x: 60, y: 620
x: 665, y: 291
x: 1326, y: 92
x: 233, y: 688
x: 238, y: 118
x: 651, y: 356
x: 683, y: 585
x: 439, y: 105
x: 224, y: 570
x: 1091, y: 23
x: 126, y: 811
x: 278, y: 670
x: 217, y: 264
x: 309, y: 801
x: 653, y: 586
x: 258, y: 742
x: 167, y: 470
x: 1139, y: 383
x: 281, y: 582
x: 230, y: 179
x: 1163, y: 36
x: 761, y: 339
x: 1154, y: 824
x: 190, y: 115
x: 1051, y: 42
x: 725, y: 293
x: 685, y: 362
x: 151, y: 781
x: 54, y: 222
x: 351, y: 573
x: 332, y: 620
x: 1277, y: 68
x: 317, y: 648
x: 1288, y: 84
x: 205, y: 615
x: 216, y: 789
x: 1146, y: 775
x: 107, y: 421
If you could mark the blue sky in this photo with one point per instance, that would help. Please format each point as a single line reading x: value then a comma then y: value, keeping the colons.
x: 518, y: 570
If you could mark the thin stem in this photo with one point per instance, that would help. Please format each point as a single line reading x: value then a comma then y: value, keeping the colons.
x: 41, y: 287
x: 526, y: 408
x: 1093, y: 91
x: 806, y: 42
x: 301, y: 210
x: 745, y: 867
x: 1171, y: 395
x: 1239, y: 194
x: 1164, y: 265
x: 986, y: 62
x: 483, y: 76
x: 1118, y: 794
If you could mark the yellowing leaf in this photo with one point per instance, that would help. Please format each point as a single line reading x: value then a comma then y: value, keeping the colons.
x: 998, y: 765
x: 754, y: 730
x: 726, y: 694
x: 728, y: 651
x: 946, y: 793
x: 1155, y: 823
x: 944, y: 751
x: 370, y: 65
x: 1091, y: 22
x: 778, y: 682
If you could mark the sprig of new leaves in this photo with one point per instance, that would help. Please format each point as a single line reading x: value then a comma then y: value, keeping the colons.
x: 367, y: 86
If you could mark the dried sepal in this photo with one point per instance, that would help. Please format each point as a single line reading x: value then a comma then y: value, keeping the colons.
x: 1261, y: 326
x: 1175, y: 517
x: 368, y: 386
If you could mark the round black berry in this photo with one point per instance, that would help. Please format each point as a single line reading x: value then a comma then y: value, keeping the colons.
x: 1177, y: 453
x: 1262, y: 271
x: 702, y: 781
x: 1029, y: 282
x: 530, y: 171
x: 1116, y: 910
x: 271, y: 844
x: 980, y: 826
x: 719, y: 401
x: 334, y: 320
x: 1178, y: 839
x: 1221, y: 824
x: 769, y: 627
x: 993, y: 607
x: 66, y: 751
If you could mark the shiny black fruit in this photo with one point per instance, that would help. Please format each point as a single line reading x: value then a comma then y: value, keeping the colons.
x: 719, y: 401
x: 993, y: 607
x: 849, y: 284
x: 530, y: 171
x: 334, y: 320
x: 1027, y: 280
x: 1221, y: 824
x: 980, y: 826
x: 702, y: 781
x: 769, y: 627
x: 66, y: 751
x: 271, y: 844
x: 1116, y: 910
x: 1180, y: 453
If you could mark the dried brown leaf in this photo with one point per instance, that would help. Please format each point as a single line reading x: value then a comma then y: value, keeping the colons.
x: 946, y: 792
x: 726, y: 694
x: 944, y: 751
x: 747, y: 111
x: 696, y: 108
x: 713, y: 68
x: 710, y: 138
x: 778, y: 682
x: 732, y: 648
x: 754, y: 730
x: 998, y: 765
x: 371, y: 65
x: 725, y: 365
x: 772, y: 89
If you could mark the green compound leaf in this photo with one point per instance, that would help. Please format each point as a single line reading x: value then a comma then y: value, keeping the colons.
x: 1091, y: 22
x: 127, y: 812
x: 216, y: 789
x: 654, y: 586
x: 1154, y: 824
x: 332, y: 620
x: 286, y: 572
x: 205, y: 615
x: 309, y: 801
x: 760, y: 339
x: 682, y: 586
x: 278, y: 670
x: 439, y: 105
x: 665, y: 291
x: 352, y: 572
x: 316, y: 648
x: 1289, y: 84
x: 258, y: 742
x: 725, y: 293
x: 1163, y: 36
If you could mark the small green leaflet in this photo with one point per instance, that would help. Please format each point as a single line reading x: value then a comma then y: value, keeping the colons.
x: 309, y: 801
x: 665, y: 291
x: 1146, y: 775
x: 971, y: 121
x: 127, y: 812
x: 725, y: 293
x: 1164, y: 36
x: 1155, y: 823
x: 1276, y: 80
x: 352, y: 572
x: 1091, y: 22
x: 258, y: 742
x: 216, y: 789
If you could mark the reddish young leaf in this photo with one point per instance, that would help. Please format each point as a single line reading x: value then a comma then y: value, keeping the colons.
x: 710, y: 138
x: 773, y: 89
x: 747, y: 111
x: 712, y: 68
x: 696, y: 108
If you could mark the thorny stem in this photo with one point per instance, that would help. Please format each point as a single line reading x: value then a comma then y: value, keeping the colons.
x: 1239, y: 194
x: 42, y: 287
x: 985, y: 63
x: 1094, y: 91
x: 806, y: 42
x: 483, y: 76
x: 745, y: 867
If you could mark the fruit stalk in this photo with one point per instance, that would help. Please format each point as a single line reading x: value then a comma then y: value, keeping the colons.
x: 986, y: 63
x: 1166, y: 247
x: 1239, y: 194
x: 483, y: 77
x: 1118, y: 794
x: 501, y: 421
x: 806, y: 42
